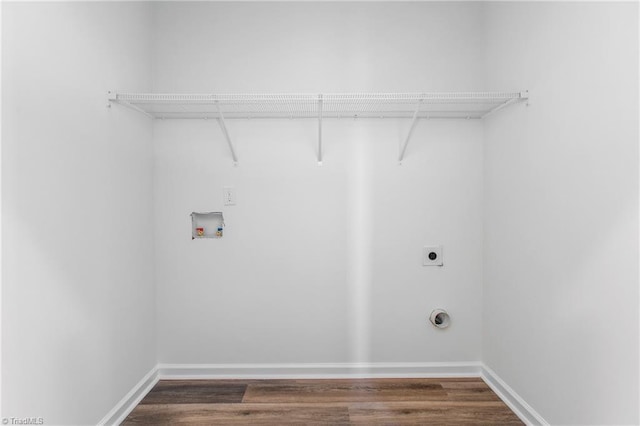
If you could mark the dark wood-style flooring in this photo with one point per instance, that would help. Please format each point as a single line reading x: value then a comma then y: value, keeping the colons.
x: 457, y: 401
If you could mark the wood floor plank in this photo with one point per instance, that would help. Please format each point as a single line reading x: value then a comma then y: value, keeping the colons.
x: 458, y: 401
x: 194, y: 392
x: 469, y: 391
x: 433, y: 412
x: 239, y: 414
x: 344, y: 390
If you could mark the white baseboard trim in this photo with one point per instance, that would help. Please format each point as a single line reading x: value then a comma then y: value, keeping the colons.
x: 131, y: 399
x: 524, y: 411
x: 318, y: 371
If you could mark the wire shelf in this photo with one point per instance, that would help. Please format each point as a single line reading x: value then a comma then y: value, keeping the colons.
x: 471, y: 105
x: 456, y: 105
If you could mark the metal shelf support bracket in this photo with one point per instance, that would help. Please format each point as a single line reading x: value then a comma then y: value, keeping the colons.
x: 113, y: 97
x: 223, y: 126
x: 414, y: 121
x: 320, y: 130
x: 524, y: 96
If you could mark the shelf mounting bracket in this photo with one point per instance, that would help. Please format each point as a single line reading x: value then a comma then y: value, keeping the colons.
x: 136, y: 108
x: 499, y: 107
x: 223, y: 126
x: 320, y: 130
x: 113, y: 97
x: 524, y: 96
x: 414, y: 121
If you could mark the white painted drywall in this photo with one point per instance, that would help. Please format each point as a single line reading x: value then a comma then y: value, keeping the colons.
x: 318, y: 264
x: 77, y: 285
x: 561, y: 209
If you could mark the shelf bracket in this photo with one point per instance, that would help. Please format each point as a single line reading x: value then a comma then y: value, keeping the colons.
x: 320, y: 131
x: 414, y: 121
x: 524, y: 96
x: 223, y: 126
x: 113, y: 97
x: 499, y: 107
x: 136, y: 108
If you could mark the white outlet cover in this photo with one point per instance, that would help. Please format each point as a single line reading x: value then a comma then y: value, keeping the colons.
x: 432, y: 256
x: 229, y: 196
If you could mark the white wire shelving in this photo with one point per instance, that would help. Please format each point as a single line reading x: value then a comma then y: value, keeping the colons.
x: 413, y: 106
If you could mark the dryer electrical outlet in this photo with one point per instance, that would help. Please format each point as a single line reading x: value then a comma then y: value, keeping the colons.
x: 229, y: 196
x: 432, y: 256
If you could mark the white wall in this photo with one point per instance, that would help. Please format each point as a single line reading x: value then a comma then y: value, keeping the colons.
x: 77, y: 284
x: 318, y: 264
x: 561, y: 209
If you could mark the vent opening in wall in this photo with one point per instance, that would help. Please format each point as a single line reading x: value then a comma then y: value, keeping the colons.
x: 440, y: 318
x: 207, y: 225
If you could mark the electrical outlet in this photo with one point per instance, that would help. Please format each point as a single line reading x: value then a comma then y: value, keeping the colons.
x: 432, y: 256
x: 229, y: 196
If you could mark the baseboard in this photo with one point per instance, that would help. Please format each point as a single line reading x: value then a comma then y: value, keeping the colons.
x: 131, y: 399
x: 514, y: 401
x: 318, y: 371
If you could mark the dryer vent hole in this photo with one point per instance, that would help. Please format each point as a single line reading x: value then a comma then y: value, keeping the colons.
x: 440, y: 318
